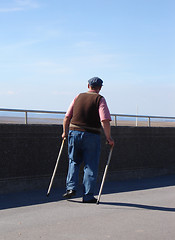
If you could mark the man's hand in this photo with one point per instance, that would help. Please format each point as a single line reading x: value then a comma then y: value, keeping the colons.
x: 110, y: 141
x: 64, y: 135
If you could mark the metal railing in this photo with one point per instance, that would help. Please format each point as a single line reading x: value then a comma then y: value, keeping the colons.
x: 30, y: 111
x: 115, y: 117
x: 149, y: 118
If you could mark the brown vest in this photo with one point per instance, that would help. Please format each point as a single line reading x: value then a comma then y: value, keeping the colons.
x: 85, y: 113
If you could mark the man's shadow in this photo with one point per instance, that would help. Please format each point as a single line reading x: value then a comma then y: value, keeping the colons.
x: 130, y: 205
x: 141, y: 206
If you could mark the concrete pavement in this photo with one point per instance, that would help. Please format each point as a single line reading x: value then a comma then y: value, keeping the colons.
x: 129, y: 210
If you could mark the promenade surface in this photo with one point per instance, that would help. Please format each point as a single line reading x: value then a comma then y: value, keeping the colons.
x: 129, y: 210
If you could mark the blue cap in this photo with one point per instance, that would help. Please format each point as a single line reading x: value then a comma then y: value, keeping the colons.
x: 95, y: 82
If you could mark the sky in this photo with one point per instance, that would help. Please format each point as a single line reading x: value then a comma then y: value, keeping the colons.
x: 49, y: 50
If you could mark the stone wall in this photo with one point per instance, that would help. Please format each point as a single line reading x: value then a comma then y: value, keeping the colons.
x: 28, y: 154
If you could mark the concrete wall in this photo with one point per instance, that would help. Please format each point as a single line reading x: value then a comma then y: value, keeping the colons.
x: 28, y: 155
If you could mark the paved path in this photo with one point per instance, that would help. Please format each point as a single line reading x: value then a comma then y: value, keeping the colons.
x: 130, y: 210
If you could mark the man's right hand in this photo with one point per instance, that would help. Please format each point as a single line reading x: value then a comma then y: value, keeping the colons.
x: 110, y: 141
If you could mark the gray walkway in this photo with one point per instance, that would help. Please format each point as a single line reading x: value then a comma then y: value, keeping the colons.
x: 130, y: 210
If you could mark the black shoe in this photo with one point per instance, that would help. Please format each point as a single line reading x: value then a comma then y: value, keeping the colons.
x: 93, y: 200
x: 69, y: 193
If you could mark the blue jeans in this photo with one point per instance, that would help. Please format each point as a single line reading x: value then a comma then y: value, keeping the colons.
x: 83, y: 147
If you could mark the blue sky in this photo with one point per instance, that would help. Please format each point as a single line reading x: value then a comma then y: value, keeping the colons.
x: 49, y: 49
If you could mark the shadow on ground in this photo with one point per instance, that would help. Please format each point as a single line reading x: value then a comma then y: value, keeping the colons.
x: 29, y: 198
x: 131, y: 205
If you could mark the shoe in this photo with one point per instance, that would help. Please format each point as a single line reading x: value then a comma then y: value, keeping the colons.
x: 93, y: 200
x: 69, y: 193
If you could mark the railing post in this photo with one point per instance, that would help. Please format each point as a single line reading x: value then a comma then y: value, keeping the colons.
x: 115, y: 121
x: 136, y: 121
x: 26, y: 118
x: 149, y: 122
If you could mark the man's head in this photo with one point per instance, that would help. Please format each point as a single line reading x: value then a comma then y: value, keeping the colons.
x: 95, y: 83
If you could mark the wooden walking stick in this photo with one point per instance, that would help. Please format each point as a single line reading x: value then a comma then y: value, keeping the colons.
x: 104, y: 175
x: 53, y: 175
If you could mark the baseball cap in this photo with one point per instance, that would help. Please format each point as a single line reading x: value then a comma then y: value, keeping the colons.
x: 95, y: 82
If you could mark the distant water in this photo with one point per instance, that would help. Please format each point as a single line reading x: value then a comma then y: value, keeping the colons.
x: 31, y: 115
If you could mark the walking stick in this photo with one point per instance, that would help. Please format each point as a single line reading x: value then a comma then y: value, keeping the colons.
x: 104, y: 175
x: 51, y: 182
